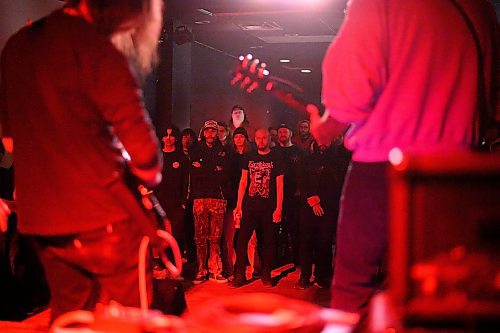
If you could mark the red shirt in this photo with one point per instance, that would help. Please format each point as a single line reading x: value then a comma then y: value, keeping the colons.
x: 66, y: 94
x: 403, y: 73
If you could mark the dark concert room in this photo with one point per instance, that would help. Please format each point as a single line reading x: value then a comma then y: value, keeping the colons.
x: 276, y: 166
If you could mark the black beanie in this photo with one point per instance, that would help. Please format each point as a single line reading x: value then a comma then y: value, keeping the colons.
x: 241, y: 130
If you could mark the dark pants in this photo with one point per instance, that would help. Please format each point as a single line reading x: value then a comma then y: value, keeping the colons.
x: 176, y: 216
x: 316, y: 234
x: 227, y: 246
x: 189, y: 243
x: 91, y: 267
x: 361, y: 236
x: 291, y: 214
x: 261, y: 220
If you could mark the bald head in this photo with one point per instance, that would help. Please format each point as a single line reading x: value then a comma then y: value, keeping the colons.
x: 262, y: 140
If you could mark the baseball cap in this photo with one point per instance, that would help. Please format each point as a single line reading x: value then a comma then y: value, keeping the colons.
x: 210, y: 124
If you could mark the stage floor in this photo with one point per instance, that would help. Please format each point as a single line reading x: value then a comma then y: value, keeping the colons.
x: 198, y: 295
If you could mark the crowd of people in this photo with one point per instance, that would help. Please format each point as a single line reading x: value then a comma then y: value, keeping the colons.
x: 421, y: 76
x: 242, y: 201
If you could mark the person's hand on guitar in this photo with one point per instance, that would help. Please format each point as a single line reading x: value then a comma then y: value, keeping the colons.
x: 4, y: 215
x: 323, y: 127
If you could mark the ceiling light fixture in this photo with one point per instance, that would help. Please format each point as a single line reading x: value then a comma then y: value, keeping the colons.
x: 284, y: 60
x: 205, y: 12
x: 305, y: 71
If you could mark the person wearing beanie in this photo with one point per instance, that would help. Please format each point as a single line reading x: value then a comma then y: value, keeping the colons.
x: 242, y: 131
x: 238, y: 148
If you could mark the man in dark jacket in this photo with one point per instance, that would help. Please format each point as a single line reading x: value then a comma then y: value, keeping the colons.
x: 320, y: 179
x: 207, y: 180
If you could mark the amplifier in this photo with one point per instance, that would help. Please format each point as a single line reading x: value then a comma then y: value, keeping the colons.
x: 444, y: 262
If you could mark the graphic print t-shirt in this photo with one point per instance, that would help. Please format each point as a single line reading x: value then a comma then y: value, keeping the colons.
x: 262, y: 173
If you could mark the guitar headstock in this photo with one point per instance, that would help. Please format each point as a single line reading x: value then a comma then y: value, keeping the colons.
x: 251, y: 74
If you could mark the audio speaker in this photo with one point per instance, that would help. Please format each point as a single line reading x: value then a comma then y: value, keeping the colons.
x: 444, y: 263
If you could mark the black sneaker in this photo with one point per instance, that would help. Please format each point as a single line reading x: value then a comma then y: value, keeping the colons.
x: 199, y: 279
x: 267, y: 282
x: 217, y: 278
x: 303, y: 284
x: 237, y: 282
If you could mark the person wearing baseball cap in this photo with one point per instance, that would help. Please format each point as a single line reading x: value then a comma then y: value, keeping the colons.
x: 208, y: 172
x: 291, y: 155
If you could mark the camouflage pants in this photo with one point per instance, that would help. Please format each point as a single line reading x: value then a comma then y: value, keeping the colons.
x: 208, y: 222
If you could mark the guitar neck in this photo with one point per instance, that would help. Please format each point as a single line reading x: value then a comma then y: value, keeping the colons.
x: 290, y: 99
x: 251, y: 75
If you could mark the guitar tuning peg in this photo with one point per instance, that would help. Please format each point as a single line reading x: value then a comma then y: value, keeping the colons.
x: 236, y: 78
x: 269, y: 86
x: 253, y: 66
x: 244, y: 62
x: 260, y: 72
x: 245, y: 82
x: 252, y: 87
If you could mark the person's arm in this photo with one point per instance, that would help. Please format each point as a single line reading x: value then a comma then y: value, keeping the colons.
x: 279, y: 199
x: 118, y: 97
x: 238, y: 212
x: 354, y: 70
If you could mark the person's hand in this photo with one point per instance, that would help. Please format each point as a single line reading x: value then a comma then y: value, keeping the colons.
x: 196, y: 164
x: 168, y: 225
x: 277, y: 216
x: 237, y: 215
x: 4, y: 216
x: 324, y: 128
x: 218, y: 168
x: 318, y: 210
x: 313, y: 200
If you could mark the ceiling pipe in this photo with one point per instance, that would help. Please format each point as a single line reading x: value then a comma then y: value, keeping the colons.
x: 255, y: 13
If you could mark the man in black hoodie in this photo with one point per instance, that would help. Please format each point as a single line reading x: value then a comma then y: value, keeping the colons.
x: 207, y: 176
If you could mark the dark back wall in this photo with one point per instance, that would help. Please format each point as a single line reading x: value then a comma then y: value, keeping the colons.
x: 212, y: 96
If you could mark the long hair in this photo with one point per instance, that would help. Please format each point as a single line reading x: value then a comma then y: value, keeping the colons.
x: 245, y: 122
x: 134, y: 27
x: 176, y: 133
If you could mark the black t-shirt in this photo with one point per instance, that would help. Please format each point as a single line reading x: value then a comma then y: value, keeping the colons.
x: 262, y: 173
x: 173, y: 188
x: 291, y: 157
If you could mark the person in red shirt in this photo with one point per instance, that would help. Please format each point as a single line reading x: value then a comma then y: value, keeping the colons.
x: 71, y: 105
x: 399, y: 74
